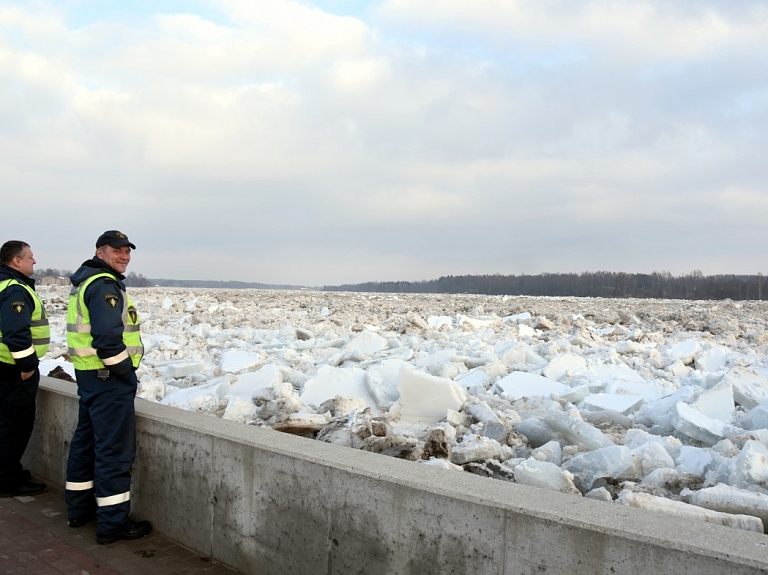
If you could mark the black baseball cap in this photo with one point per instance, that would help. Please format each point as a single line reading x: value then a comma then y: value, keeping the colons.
x: 115, y: 239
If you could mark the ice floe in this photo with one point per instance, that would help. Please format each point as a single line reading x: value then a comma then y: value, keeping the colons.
x: 656, y: 404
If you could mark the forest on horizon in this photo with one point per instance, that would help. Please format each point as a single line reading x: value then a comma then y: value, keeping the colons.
x: 659, y: 285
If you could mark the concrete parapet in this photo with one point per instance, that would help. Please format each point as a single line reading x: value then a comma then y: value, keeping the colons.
x: 267, y: 502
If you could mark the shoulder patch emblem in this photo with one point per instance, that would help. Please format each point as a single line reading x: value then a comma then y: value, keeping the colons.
x: 132, y: 314
x: 111, y: 299
x: 18, y: 306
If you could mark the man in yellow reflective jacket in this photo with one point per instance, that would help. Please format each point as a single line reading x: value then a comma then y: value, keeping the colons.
x: 105, y: 346
x: 24, y: 338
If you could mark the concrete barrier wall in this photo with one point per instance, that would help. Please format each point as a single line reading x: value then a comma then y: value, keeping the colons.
x: 266, y: 502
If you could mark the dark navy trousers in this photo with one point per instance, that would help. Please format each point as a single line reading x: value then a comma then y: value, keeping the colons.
x: 17, y: 417
x: 102, y: 451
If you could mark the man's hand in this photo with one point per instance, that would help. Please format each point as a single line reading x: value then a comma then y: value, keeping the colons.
x: 25, y: 375
x: 123, y: 370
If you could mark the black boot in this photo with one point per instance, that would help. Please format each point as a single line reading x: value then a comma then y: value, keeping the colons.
x: 135, y: 530
x: 26, y: 488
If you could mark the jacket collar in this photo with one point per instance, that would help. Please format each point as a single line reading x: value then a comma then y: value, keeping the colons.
x: 101, y: 264
x: 7, y: 273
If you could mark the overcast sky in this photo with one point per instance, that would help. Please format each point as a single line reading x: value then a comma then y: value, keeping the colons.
x: 336, y: 141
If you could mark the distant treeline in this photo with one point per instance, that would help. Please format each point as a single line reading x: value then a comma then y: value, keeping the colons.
x: 132, y: 279
x: 662, y: 285
x: 215, y: 284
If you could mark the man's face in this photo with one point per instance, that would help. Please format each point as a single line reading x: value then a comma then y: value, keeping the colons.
x: 25, y: 263
x: 116, y: 258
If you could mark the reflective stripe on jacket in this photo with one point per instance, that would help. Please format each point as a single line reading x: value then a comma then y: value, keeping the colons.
x: 80, y: 340
x: 38, y: 328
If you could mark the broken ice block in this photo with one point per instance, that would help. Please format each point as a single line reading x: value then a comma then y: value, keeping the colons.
x: 730, y: 499
x: 698, y: 426
x: 680, y: 509
x: 751, y: 465
x: 577, y: 431
x: 183, y: 369
x: 521, y: 384
x: 717, y: 402
x: 618, y: 402
x: 605, y: 462
x: 426, y: 398
x: 749, y: 389
x: 475, y: 448
x: 545, y: 475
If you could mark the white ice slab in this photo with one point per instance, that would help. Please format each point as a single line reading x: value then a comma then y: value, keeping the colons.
x: 545, y: 475
x: 525, y: 330
x: 525, y: 316
x: 576, y: 394
x: 475, y: 448
x: 204, y: 398
x: 437, y: 358
x: 233, y: 361
x: 683, y: 351
x: 248, y: 384
x: 239, y: 409
x: 609, y: 461
x: 620, y: 403
x: 155, y: 341
x: 698, y: 426
x: 439, y: 321
x: 662, y: 413
x: 749, y: 389
x: 425, y: 398
x: 578, y: 432
x: 717, y: 402
x: 751, y: 466
x: 757, y: 418
x: 635, y: 437
x: 521, y: 384
x: 649, y: 457
x: 563, y: 364
x: 728, y: 499
x: 474, y: 323
x: 367, y: 342
x: 598, y: 370
x: 649, y: 390
x: 680, y: 509
x: 472, y: 378
x: 382, y: 382
x: 713, y: 360
x: 694, y: 460
x: 550, y: 451
x: 182, y: 369
x: 332, y: 381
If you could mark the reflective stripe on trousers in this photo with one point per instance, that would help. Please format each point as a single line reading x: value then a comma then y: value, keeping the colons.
x: 78, y: 486
x: 113, y: 499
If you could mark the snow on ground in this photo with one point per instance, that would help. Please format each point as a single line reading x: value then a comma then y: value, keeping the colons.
x: 650, y: 403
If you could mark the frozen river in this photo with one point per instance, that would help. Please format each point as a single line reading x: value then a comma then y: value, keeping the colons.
x: 656, y: 404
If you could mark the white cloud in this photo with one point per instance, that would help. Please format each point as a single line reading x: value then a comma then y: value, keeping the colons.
x: 411, y: 202
x: 36, y: 24
x: 631, y: 29
x: 433, y: 137
x: 296, y: 34
x: 356, y: 78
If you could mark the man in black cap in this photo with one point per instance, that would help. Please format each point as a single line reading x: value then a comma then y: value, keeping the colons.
x: 105, y: 346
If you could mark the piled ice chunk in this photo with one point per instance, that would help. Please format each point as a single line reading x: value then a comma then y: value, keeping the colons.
x: 658, y: 404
